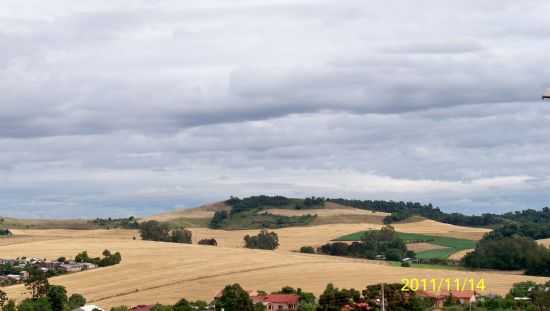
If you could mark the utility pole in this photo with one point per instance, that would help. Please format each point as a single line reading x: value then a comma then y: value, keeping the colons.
x: 383, y: 299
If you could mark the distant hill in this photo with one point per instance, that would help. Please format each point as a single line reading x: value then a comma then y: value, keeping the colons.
x: 269, y: 212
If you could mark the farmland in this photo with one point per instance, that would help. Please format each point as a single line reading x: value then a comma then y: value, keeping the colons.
x: 449, y: 245
x: 165, y: 272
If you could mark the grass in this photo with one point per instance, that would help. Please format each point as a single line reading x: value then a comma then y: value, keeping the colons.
x: 429, y: 266
x: 452, y: 245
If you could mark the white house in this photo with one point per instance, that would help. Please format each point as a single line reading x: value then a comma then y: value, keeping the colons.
x: 88, y: 308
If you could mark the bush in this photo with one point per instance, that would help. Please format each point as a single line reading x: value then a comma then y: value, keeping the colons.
x: 405, y: 264
x: 307, y: 250
x: 154, y: 231
x: 211, y: 242
x: 264, y: 240
x: 182, y: 236
x: 76, y: 300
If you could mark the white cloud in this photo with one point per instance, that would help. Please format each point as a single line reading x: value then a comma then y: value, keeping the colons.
x: 137, y: 106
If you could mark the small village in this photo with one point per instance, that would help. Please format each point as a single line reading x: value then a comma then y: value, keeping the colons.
x: 14, y: 271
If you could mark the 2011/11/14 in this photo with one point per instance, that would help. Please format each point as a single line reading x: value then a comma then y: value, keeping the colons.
x: 448, y: 284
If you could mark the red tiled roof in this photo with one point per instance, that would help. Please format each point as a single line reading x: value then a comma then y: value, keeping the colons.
x: 142, y: 308
x: 462, y: 294
x: 444, y: 294
x: 282, y: 298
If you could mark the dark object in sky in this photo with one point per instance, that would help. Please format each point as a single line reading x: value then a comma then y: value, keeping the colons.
x: 546, y: 94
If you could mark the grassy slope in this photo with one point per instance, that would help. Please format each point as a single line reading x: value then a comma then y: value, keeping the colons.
x: 453, y: 244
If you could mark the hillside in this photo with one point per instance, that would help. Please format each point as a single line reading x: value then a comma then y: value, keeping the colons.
x: 199, y: 272
x: 268, y: 213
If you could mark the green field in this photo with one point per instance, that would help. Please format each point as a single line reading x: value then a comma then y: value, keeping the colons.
x: 453, y: 244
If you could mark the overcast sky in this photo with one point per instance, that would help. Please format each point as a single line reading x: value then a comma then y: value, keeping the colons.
x: 118, y: 108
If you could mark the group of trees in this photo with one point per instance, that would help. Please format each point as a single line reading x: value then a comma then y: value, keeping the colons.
x: 384, y: 242
x: 111, y: 223
x: 109, y: 259
x: 5, y: 232
x: 510, y: 253
x: 250, y: 212
x: 153, y: 230
x: 264, y: 240
x: 44, y: 297
x: 254, y: 202
x: 403, y: 210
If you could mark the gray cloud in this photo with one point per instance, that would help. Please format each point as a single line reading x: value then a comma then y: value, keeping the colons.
x: 135, y: 107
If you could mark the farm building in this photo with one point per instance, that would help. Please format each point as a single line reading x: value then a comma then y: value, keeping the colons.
x: 463, y: 297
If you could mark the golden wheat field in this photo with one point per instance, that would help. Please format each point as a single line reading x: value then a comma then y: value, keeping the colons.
x: 165, y: 272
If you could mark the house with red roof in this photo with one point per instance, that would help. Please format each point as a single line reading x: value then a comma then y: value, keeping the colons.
x: 278, y: 302
x: 142, y: 308
x: 463, y: 297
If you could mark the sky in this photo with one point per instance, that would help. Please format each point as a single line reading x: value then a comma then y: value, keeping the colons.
x: 119, y: 108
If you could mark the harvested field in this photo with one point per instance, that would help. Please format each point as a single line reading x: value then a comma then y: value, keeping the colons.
x: 460, y: 255
x: 165, y: 272
x: 204, y: 211
x: 323, y: 212
x: 422, y: 247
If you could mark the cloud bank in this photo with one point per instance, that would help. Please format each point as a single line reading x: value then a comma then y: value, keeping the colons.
x: 135, y: 107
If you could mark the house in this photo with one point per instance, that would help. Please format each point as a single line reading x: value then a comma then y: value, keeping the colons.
x: 14, y: 277
x: 279, y: 302
x: 87, y: 266
x: 142, y: 308
x: 438, y: 299
x: 24, y: 275
x: 71, y: 267
x: 88, y: 308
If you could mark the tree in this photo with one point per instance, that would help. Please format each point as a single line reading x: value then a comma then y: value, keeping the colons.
x: 159, y: 307
x: 153, y: 230
x: 82, y: 257
x: 10, y: 306
x: 37, y: 304
x: 183, y: 305
x: 218, y: 219
x: 332, y: 299
x: 182, y: 236
x: 264, y: 240
x: 57, y: 296
x: 37, y: 283
x: 3, y: 298
x: 76, y: 300
x: 234, y: 298
x: 307, y: 250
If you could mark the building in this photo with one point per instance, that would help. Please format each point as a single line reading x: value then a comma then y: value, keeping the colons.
x: 71, y: 267
x: 142, y: 308
x: 88, y: 308
x: 278, y: 302
x: 438, y: 299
